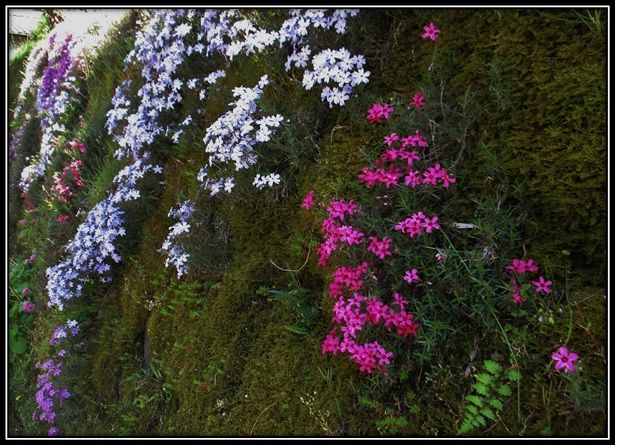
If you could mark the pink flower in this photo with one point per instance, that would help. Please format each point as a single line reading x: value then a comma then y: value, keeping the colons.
x: 404, y: 324
x: 413, y: 179
x: 399, y: 300
x: 308, y: 201
x: 415, y: 140
x: 376, y: 311
x: 379, y: 111
x: 350, y: 235
x: 76, y: 145
x: 27, y: 306
x: 331, y: 343
x: 390, y: 139
x: 418, y: 100
x: 517, y: 298
x: 440, y: 257
x: 389, y: 178
x: 339, y: 209
x: 369, y: 177
x: 411, y: 276
x: 565, y: 360
x: 434, y: 174
x: 409, y: 156
x: 62, y: 218
x: 26, y: 292
x: 32, y: 257
x: 380, y: 248
x: 542, y: 285
x: 521, y: 266
x: 430, y: 31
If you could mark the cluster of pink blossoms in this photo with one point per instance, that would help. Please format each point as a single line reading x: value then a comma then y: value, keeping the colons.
x: 380, y: 248
x: 378, y: 112
x: 334, y: 233
x: 519, y: 267
x: 354, y: 312
x: 77, y: 146
x: 397, y: 162
x: 417, y: 224
x: 61, y: 187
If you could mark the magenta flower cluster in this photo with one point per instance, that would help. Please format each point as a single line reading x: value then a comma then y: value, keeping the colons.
x: 378, y: 112
x: 355, y: 309
x: 353, y: 312
x: 520, y: 267
x: 397, y: 163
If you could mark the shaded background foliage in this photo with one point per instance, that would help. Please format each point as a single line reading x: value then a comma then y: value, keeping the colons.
x: 519, y: 100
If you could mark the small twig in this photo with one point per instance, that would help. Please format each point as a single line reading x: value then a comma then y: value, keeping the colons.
x: 259, y: 415
x: 293, y: 270
x: 442, y: 105
x: 334, y: 129
x: 462, y: 147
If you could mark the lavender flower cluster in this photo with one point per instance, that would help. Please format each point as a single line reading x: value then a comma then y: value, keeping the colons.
x: 54, y: 95
x: 231, y: 139
x: 160, y: 52
x: 48, y: 394
x: 94, y: 244
x: 173, y: 244
x: 56, y: 61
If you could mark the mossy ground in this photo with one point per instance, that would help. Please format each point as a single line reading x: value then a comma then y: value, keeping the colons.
x: 522, y: 119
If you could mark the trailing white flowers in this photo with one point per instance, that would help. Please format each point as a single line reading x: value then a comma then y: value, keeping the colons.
x: 174, y: 243
x: 231, y: 140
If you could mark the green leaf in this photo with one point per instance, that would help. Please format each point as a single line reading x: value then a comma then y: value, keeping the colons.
x: 475, y: 400
x: 514, y: 375
x: 13, y: 329
x: 474, y: 410
x: 484, y: 378
x: 504, y: 390
x: 488, y: 413
x: 465, y: 427
x: 492, y: 366
x: 17, y: 345
x: 481, y: 388
x: 481, y: 420
x: 498, y: 405
x: 296, y: 330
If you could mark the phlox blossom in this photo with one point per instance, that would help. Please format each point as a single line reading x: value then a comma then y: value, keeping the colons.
x: 418, y: 100
x: 411, y: 276
x: 565, y: 360
x: 308, y: 201
x: 542, y: 285
x: 430, y: 31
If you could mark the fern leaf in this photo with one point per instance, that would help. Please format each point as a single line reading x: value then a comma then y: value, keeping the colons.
x: 492, y: 366
x: 504, y: 390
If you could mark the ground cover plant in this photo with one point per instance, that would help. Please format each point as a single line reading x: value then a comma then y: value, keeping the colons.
x: 310, y: 222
